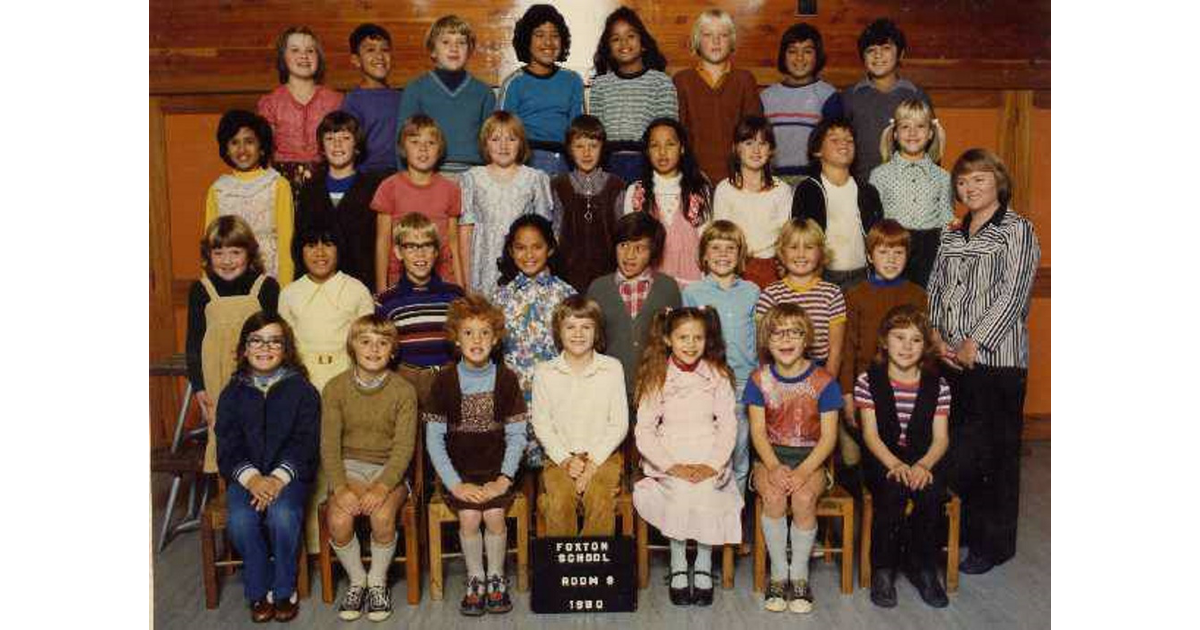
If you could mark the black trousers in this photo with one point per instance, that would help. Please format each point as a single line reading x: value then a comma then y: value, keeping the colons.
x: 986, y: 418
x: 896, y: 538
x: 922, y: 251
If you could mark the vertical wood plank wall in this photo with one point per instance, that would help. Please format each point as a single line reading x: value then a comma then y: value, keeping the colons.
x: 986, y: 67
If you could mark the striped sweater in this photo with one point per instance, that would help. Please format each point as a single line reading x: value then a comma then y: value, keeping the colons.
x: 793, y: 113
x: 627, y: 104
x: 419, y: 313
x: 822, y: 302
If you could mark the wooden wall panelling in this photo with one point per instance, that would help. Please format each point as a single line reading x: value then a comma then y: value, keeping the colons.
x: 164, y: 395
x: 202, y: 46
x: 1014, y: 146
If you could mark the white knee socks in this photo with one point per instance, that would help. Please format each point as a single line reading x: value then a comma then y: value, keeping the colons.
x: 381, y: 559
x: 679, y: 563
x: 472, y: 547
x: 495, y: 544
x: 703, y: 564
x: 775, y: 533
x: 802, y: 544
x: 350, y: 555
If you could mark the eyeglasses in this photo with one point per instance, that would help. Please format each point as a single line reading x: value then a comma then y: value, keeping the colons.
x: 779, y: 334
x: 413, y: 248
x: 254, y: 342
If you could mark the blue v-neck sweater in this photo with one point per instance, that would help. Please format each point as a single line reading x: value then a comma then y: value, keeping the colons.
x: 459, y: 112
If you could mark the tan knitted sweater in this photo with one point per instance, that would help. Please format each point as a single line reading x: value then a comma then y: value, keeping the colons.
x: 378, y: 426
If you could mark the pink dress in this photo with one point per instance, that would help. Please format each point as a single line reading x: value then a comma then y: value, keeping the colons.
x: 683, y: 238
x: 690, y: 421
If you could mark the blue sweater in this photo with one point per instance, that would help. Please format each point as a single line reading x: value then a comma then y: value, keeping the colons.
x: 280, y: 429
x: 460, y: 113
x: 546, y: 105
x: 376, y: 114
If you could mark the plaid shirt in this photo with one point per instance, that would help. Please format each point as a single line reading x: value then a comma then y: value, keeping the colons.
x: 634, y: 291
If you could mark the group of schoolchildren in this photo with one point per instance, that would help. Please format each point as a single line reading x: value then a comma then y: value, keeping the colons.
x: 533, y: 309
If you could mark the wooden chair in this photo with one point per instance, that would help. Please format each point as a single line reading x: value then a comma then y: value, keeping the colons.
x: 214, y: 520
x: 440, y: 513
x: 834, y: 503
x: 643, y: 538
x: 409, y: 520
x: 953, y: 511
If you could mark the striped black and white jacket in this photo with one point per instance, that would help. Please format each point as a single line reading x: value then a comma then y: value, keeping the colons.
x: 980, y: 287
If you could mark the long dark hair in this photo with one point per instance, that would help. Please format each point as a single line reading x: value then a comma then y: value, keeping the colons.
x: 652, y: 57
x: 508, y: 266
x: 693, y: 182
x: 258, y: 321
x: 748, y: 128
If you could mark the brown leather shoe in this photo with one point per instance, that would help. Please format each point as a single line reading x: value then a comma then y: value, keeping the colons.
x: 286, y: 610
x: 262, y: 611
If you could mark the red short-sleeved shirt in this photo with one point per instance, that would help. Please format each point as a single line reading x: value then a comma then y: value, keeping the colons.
x: 440, y: 201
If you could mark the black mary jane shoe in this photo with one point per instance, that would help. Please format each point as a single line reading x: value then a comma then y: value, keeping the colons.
x: 883, y: 588
x: 679, y: 596
x: 703, y: 596
x: 975, y: 564
x: 930, y: 588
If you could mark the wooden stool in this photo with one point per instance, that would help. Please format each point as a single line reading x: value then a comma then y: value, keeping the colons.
x: 953, y: 511
x: 410, y: 521
x: 184, y: 458
x: 214, y: 520
x: 440, y: 513
x: 834, y: 503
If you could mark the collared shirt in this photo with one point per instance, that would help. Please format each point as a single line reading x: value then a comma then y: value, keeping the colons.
x: 528, y: 305
x: 294, y: 124
x: 917, y: 194
x: 580, y: 412
x: 980, y: 287
x: 714, y: 80
x: 634, y: 291
x: 735, y: 306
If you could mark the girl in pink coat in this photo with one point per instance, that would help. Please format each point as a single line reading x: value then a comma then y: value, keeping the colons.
x: 685, y: 433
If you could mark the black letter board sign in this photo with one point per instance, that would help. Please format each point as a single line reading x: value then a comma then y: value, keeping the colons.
x: 589, y: 574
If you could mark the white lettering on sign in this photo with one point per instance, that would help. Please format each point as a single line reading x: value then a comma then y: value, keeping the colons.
x: 585, y: 580
x: 583, y: 558
x: 586, y: 604
x: 581, y: 546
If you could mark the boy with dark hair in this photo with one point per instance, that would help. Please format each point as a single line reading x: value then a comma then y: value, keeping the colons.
x: 630, y: 296
x: 869, y: 103
x: 373, y: 103
x: 341, y: 194
x: 800, y: 101
x: 845, y: 207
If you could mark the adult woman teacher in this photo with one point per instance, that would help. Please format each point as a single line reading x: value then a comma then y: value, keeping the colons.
x: 979, y: 296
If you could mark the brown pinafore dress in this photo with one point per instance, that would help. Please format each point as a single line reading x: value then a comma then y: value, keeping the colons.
x: 224, y: 317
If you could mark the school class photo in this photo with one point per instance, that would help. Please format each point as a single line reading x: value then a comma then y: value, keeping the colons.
x: 565, y: 314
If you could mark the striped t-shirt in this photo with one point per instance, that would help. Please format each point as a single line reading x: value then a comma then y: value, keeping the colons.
x: 906, y: 398
x: 822, y: 302
x: 419, y: 313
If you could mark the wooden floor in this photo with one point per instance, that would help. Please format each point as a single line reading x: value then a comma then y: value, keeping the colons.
x: 1013, y: 596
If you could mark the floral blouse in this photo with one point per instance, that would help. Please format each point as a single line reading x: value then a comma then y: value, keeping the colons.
x: 528, y: 305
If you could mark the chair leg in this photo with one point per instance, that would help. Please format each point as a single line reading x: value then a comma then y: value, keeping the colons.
x: 412, y: 557
x: 864, y: 563
x: 954, y: 513
x: 727, y: 567
x: 325, y: 558
x: 643, y: 553
x: 760, y: 551
x: 435, y: 557
x: 848, y: 548
x: 165, y: 529
x: 208, y: 551
x: 303, y: 586
x: 523, y: 549
x: 828, y: 538
x: 627, y: 519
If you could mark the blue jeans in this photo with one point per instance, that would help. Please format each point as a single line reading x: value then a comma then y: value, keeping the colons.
x: 549, y: 162
x: 627, y: 165
x: 259, y: 536
x: 741, y: 448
